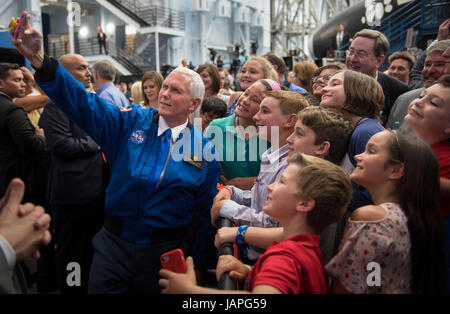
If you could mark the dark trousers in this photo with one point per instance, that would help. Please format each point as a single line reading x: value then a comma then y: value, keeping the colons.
x: 102, y: 44
x: 121, y: 267
x: 75, y: 226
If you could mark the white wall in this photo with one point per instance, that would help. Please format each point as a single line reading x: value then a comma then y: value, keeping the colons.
x: 14, y: 8
x: 218, y: 33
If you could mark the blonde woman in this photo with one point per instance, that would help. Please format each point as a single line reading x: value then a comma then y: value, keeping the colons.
x: 304, y: 72
x: 137, y: 96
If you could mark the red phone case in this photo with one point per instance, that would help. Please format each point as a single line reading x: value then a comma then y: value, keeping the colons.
x: 174, y: 261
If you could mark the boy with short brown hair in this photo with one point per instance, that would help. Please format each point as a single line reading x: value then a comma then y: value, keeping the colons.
x: 310, y: 194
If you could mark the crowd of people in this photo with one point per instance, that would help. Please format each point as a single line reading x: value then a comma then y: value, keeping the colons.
x: 336, y: 178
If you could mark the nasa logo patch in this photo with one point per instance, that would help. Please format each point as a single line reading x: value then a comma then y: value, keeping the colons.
x: 137, y: 137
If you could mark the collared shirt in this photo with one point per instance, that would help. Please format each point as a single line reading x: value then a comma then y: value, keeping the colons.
x: 245, y: 207
x: 339, y: 38
x: 162, y: 127
x: 113, y: 95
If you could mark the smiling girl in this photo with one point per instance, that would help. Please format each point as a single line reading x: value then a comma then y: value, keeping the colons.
x: 401, y: 232
x: 235, y: 138
x: 256, y: 68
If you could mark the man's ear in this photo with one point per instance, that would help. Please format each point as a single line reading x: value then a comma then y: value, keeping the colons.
x: 323, y: 149
x: 397, y: 171
x: 380, y: 60
x: 195, y: 103
x: 305, y: 205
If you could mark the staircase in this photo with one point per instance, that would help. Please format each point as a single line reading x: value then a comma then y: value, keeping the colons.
x: 130, y: 8
x: 148, y: 19
x: 422, y: 16
x: 150, y: 15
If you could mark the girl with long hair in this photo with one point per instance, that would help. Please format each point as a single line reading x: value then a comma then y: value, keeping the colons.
x: 396, y: 244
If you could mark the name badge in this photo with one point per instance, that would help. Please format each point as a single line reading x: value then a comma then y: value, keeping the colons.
x: 194, y: 160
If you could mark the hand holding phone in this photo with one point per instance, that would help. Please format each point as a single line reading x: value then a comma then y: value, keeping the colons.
x: 174, y: 261
x: 20, y: 23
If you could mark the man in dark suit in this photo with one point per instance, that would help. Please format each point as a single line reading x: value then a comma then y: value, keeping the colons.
x: 341, y: 39
x: 366, y: 54
x: 20, y: 143
x: 76, y: 187
x: 101, y: 37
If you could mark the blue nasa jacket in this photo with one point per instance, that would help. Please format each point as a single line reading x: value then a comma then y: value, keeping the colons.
x: 129, y: 140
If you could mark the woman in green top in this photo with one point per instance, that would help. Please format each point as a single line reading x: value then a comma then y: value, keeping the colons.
x: 235, y: 137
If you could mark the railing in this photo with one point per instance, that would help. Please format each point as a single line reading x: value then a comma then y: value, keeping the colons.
x: 90, y: 47
x: 412, y: 15
x: 153, y: 15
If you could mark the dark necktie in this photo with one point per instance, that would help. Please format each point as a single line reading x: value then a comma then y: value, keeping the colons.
x: 164, y: 149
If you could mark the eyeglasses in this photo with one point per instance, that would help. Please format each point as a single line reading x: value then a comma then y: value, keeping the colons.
x: 325, y: 78
x: 359, y: 54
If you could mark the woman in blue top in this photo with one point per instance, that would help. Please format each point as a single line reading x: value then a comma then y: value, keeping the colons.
x: 360, y: 99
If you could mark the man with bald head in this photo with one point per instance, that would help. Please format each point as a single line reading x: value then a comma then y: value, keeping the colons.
x: 76, y: 187
x: 78, y: 67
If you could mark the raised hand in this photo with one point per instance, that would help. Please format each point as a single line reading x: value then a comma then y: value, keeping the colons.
x: 444, y: 30
x: 29, y: 43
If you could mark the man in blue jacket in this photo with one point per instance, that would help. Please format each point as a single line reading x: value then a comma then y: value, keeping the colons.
x: 160, y: 176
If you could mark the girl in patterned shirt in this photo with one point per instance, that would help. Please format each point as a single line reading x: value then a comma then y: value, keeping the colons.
x: 395, y: 245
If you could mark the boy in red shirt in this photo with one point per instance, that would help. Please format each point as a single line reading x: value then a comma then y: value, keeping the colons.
x: 310, y: 194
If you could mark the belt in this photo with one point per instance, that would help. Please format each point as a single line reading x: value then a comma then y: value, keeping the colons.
x: 158, y: 235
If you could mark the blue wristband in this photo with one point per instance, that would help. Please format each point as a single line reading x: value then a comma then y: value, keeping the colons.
x: 240, y: 235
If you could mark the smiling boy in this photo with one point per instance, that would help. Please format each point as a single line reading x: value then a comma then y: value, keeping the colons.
x: 275, y: 121
x: 310, y: 194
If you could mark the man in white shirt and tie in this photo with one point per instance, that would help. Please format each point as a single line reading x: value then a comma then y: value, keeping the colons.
x: 341, y: 38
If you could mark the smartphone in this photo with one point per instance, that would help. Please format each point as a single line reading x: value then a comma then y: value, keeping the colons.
x: 20, y: 23
x: 174, y: 261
